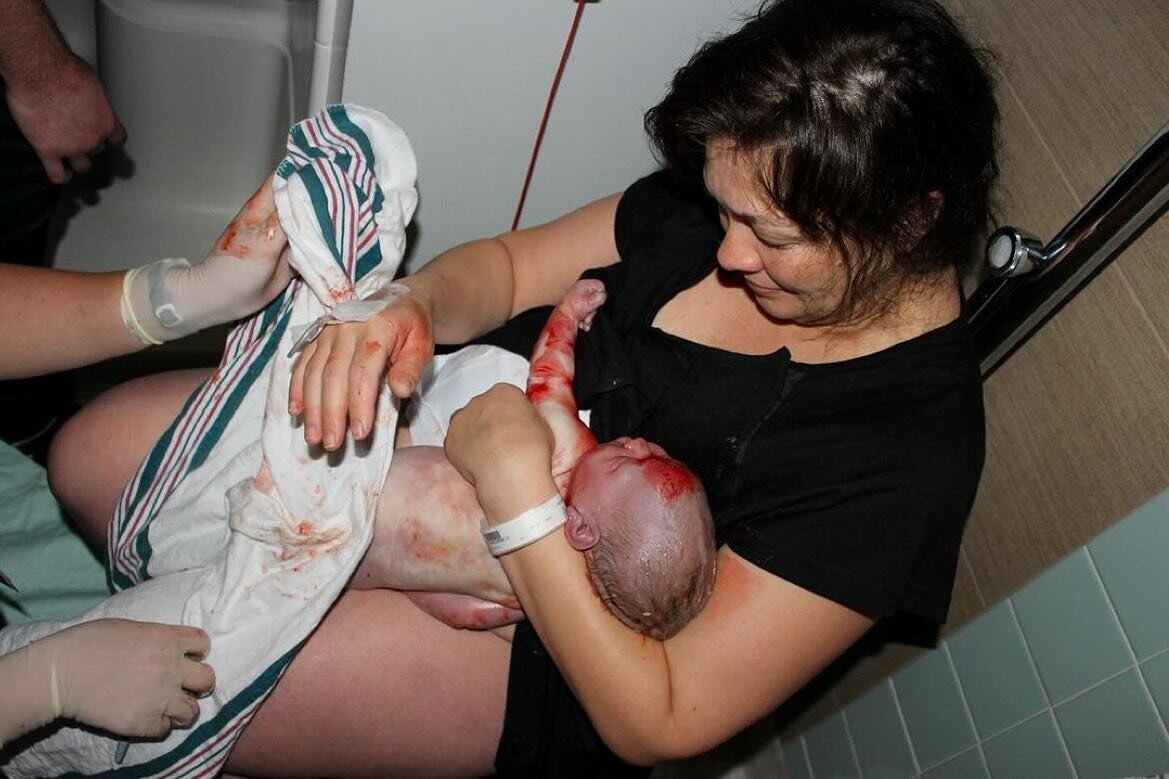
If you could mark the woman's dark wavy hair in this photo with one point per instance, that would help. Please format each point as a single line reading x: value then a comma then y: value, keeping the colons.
x: 873, y: 123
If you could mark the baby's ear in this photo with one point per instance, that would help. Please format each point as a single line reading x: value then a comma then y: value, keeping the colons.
x: 580, y: 530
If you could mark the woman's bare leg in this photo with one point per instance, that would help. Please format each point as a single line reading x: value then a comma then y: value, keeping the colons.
x: 380, y: 689
x: 97, y: 451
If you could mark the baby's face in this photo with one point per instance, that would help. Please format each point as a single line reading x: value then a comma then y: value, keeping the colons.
x: 627, y: 476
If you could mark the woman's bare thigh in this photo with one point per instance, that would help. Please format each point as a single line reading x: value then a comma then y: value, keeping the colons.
x: 97, y: 451
x: 382, y: 690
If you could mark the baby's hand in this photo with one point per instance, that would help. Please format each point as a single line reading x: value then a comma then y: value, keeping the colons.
x: 338, y: 375
x: 129, y: 678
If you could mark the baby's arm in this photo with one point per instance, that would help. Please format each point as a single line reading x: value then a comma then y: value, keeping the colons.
x: 551, y: 373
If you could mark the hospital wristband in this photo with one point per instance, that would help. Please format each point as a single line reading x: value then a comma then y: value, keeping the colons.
x: 525, y: 528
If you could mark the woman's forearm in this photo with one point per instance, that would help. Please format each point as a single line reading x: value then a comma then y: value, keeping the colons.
x: 55, y: 320
x: 469, y: 289
x: 477, y: 286
x: 623, y: 678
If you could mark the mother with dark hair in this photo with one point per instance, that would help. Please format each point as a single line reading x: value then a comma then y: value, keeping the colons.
x: 784, y: 316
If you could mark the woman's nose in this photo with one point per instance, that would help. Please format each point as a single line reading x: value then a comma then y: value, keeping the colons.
x: 738, y: 250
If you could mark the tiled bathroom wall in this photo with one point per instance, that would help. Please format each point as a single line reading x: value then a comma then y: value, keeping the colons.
x: 1067, y: 677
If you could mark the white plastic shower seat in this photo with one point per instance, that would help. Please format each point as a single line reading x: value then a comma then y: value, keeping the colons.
x: 207, y: 90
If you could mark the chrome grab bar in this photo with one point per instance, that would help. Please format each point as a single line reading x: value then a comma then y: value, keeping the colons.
x: 1030, y: 280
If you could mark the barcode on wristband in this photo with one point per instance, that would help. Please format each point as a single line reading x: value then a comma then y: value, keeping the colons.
x: 526, y: 527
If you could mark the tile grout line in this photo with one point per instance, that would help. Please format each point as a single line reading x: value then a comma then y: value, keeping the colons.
x: 1008, y: 728
x: 965, y: 705
x: 807, y: 757
x: 856, y: 760
x: 1055, y: 161
x: 955, y: 756
x: 1128, y: 644
x: 1063, y: 744
x: 904, y: 726
x: 965, y: 559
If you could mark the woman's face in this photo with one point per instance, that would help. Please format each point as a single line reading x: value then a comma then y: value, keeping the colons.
x: 790, y: 277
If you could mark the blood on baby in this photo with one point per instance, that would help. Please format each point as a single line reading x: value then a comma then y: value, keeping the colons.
x: 419, y: 544
x: 372, y: 347
x: 670, y: 477
x: 538, y: 391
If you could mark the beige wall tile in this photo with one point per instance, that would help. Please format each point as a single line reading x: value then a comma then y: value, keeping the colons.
x: 1077, y: 431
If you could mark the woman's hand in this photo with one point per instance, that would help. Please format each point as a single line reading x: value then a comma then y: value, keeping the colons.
x: 500, y: 444
x: 338, y: 374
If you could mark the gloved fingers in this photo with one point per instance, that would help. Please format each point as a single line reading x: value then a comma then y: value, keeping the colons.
x: 198, y: 678
x: 255, y: 230
x: 181, y: 709
x: 284, y: 266
x: 156, y: 727
x: 196, y: 643
x: 335, y: 372
x: 281, y: 275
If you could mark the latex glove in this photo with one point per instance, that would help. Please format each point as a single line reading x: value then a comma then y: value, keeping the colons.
x: 134, y: 679
x: 245, y: 271
x: 65, y: 114
x: 338, y: 375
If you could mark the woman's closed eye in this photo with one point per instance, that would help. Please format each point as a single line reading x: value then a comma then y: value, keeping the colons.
x: 777, y: 243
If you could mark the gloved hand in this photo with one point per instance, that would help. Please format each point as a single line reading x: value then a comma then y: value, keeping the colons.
x: 128, y: 678
x: 245, y: 271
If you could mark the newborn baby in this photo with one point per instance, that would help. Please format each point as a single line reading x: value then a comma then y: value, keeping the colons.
x: 640, y: 518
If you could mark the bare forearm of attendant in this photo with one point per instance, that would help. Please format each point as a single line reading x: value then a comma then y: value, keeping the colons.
x: 55, y: 320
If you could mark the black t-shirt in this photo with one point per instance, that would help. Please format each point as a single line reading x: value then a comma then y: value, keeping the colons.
x: 850, y: 479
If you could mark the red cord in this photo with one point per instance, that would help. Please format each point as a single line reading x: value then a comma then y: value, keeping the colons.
x: 519, y: 209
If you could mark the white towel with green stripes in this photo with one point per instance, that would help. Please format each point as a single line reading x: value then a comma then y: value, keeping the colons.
x: 232, y: 523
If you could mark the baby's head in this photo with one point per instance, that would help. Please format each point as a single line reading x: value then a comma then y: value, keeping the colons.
x: 643, y: 523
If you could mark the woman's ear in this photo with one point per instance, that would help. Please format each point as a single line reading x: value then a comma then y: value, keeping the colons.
x: 581, y: 531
